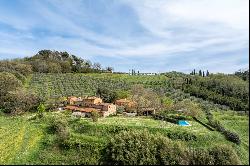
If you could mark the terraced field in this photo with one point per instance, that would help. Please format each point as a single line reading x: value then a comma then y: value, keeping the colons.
x: 19, y: 140
x: 58, y: 85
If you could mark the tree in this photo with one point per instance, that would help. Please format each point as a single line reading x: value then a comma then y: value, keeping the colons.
x: 200, y: 73
x: 144, y: 98
x: 97, y: 66
x: 110, y: 69
x: 20, y: 101
x: 207, y: 73
x: 106, y: 94
x: 40, y: 110
x: 190, y: 108
x: 8, y: 82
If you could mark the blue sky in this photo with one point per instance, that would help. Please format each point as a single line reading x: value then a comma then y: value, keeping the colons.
x: 147, y: 35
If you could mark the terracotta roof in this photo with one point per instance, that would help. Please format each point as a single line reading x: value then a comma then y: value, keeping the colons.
x: 123, y: 101
x: 75, y: 98
x: 92, y: 97
x: 81, y: 109
x: 105, y: 104
x: 71, y: 107
x: 87, y: 109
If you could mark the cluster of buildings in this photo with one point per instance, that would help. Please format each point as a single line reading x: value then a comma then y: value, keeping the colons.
x: 83, y: 106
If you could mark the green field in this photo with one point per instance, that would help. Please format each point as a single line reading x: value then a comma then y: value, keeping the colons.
x: 22, y: 140
x: 19, y: 139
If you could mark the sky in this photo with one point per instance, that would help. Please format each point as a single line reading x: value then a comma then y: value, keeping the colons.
x: 145, y: 35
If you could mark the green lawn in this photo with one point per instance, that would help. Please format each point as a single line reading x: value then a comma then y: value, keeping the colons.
x: 19, y: 139
x: 240, y: 125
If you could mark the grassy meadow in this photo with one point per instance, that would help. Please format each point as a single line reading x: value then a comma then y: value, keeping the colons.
x: 22, y: 143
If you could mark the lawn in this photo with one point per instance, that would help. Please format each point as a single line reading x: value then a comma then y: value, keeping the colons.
x: 240, y: 125
x: 19, y: 139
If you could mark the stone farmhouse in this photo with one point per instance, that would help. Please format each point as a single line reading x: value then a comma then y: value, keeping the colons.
x: 85, y: 105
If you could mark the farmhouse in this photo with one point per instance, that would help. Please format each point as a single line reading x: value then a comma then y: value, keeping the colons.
x: 72, y: 100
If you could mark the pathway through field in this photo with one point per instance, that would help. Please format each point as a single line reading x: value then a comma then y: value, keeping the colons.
x: 19, y: 139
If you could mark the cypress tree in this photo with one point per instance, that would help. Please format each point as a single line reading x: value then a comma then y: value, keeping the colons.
x: 207, y: 73
x: 200, y: 73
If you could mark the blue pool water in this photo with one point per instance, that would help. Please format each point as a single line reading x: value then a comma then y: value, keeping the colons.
x: 183, y: 123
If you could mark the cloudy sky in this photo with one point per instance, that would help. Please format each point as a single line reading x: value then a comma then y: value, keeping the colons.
x: 147, y: 35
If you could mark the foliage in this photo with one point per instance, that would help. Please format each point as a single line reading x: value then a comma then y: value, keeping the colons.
x: 106, y: 94
x: 224, y: 155
x: 40, y: 110
x: 8, y: 82
x: 120, y: 109
x: 144, y: 98
x: 58, y: 125
x: 20, y: 101
x: 222, y: 89
x: 140, y: 148
x: 94, y: 115
x: 189, y: 108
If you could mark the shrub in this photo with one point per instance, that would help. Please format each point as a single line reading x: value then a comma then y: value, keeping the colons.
x: 58, y: 125
x: 172, y: 153
x: 224, y: 155
x: 40, y: 110
x: 231, y: 136
x: 120, y: 109
x: 200, y: 157
x: 142, y: 148
x: 94, y: 116
x: 131, y: 148
x: 184, y: 136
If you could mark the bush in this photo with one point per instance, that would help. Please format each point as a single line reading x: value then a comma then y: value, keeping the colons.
x: 172, y: 153
x: 58, y: 125
x: 200, y: 157
x: 224, y: 155
x: 142, y: 148
x: 120, y: 109
x: 40, y: 110
x: 94, y: 116
x: 184, y: 136
x: 231, y: 136
x: 131, y: 148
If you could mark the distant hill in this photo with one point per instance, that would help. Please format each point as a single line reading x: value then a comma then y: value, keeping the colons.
x: 47, y: 61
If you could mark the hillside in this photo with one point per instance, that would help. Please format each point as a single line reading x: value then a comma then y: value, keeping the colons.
x: 61, y: 85
x: 33, y: 131
x: 28, y: 147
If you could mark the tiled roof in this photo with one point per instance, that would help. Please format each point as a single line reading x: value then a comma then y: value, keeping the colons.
x: 123, y: 101
x: 81, y: 109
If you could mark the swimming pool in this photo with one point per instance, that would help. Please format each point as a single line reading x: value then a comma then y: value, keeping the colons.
x: 183, y: 123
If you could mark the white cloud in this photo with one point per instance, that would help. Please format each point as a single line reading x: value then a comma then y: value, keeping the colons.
x: 175, y: 28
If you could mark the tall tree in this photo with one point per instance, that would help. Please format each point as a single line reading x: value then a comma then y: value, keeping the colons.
x: 207, y: 73
x: 200, y: 73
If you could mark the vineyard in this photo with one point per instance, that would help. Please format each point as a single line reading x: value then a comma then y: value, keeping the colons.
x: 59, y: 85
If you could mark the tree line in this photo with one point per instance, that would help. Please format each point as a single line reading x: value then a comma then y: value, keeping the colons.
x: 224, y: 89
